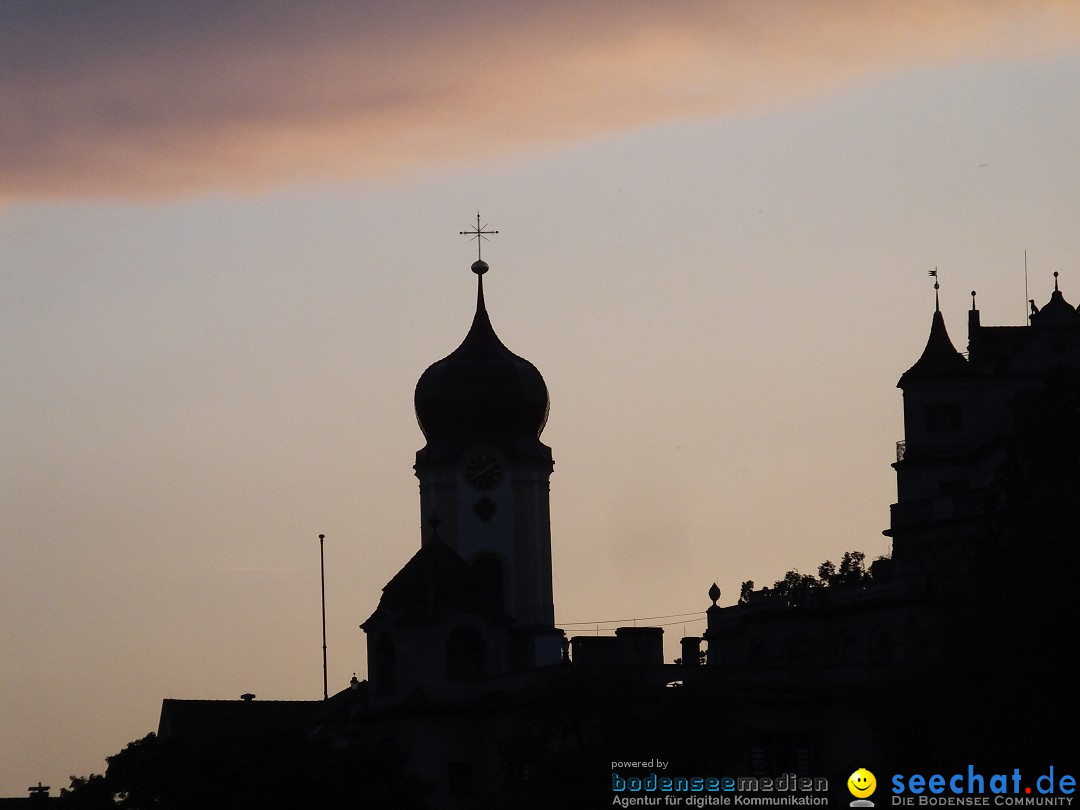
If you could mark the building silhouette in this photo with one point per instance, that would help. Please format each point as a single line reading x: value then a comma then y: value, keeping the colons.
x: 982, y: 432
x: 470, y: 679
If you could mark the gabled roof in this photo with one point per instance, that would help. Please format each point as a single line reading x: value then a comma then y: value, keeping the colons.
x: 434, y: 581
x: 235, y: 720
x: 344, y: 707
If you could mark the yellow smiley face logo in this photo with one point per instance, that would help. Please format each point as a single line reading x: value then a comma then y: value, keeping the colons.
x: 861, y: 783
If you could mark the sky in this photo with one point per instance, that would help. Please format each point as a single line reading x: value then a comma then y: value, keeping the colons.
x: 229, y: 246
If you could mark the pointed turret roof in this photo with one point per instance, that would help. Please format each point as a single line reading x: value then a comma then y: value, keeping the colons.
x: 939, y: 359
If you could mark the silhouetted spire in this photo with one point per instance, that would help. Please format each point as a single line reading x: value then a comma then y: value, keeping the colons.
x: 940, y: 358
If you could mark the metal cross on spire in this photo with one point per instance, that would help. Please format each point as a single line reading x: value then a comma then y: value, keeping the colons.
x: 479, y: 233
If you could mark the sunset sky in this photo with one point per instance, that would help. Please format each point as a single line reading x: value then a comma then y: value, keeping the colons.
x: 229, y: 247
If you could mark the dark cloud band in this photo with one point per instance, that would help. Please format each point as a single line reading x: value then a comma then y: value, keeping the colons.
x: 158, y: 99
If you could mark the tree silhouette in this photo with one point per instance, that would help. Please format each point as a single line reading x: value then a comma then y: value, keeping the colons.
x: 793, y: 587
x: 309, y: 773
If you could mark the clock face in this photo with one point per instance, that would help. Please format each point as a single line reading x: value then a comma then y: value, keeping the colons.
x: 483, y: 470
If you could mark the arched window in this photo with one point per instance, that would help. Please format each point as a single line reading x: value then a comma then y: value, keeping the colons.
x: 490, y: 568
x: 466, y: 655
x: 385, y: 669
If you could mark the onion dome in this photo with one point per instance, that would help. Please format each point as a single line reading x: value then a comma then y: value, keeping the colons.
x: 481, y: 387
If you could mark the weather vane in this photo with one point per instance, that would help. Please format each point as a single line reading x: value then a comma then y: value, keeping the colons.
x: 479, y: 233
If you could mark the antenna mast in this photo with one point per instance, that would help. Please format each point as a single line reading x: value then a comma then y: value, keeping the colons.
x: 322, y: 583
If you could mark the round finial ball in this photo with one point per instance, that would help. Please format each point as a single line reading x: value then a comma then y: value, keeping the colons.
x: 479, y: 267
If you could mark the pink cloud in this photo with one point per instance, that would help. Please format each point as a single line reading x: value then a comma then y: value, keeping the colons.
x: 159, y: 99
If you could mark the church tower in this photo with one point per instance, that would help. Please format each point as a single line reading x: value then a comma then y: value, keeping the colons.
x: 484, y: 473
x: 475, y: 601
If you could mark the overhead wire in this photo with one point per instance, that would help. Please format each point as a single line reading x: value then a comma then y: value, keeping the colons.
x: 635, y: 619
